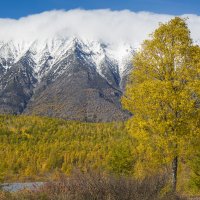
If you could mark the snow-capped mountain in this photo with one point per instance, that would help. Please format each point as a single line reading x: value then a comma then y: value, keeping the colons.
x: 52, y: 51
x: 64, y: 77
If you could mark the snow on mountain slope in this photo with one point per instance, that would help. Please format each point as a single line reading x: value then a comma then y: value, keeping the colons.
x: 61, y: 77
x: 46, y: 53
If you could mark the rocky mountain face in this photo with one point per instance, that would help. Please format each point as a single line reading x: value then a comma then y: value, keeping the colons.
x: 67, y: 78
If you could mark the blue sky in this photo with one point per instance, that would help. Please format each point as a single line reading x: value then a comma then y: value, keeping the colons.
x: 20, y: 8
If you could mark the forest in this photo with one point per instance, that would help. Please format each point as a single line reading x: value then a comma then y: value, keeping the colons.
x: 36, y: 148
x: 39, y: 149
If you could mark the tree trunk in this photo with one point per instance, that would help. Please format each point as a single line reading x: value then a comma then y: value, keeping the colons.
x: 174, y: 173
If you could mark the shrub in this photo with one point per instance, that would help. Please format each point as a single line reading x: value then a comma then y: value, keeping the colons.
x: 99, y: 186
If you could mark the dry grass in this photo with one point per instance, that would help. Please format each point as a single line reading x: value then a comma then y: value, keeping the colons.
x: 97, y: 186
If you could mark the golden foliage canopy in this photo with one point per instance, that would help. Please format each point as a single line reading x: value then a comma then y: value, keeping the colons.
x: 163, y: 94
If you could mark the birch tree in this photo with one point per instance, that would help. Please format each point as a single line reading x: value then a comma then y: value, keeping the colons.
x: 163, y: 94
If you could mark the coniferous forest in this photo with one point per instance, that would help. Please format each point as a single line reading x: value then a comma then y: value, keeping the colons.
x: 39, y: 149
x: 36, y: 148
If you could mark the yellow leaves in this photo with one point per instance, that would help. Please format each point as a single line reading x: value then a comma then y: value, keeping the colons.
x: 37, y: 146
x: 163, y: 94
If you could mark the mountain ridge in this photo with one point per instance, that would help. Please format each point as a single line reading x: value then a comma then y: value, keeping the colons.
x: 67, y: 78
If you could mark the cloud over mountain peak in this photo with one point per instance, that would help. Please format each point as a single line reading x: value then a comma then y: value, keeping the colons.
x: 104, y: 25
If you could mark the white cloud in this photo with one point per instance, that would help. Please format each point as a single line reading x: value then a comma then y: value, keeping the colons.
x: 106, y: 25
